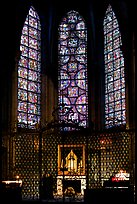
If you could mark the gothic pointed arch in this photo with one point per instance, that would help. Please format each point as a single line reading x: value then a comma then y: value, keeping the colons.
x: 29, y: 72
x: 115, y: 103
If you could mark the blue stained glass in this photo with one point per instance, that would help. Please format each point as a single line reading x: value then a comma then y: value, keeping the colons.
x: 33, y: 33
x: 22, y: 106
x: 23, y: 62
x: 80, y: 26
x: 115, y: 113
x: 34, y: 76
x: 33, y: 64
x: 32, y: 120
x: 72, y: 67
x: 64, y: 50
x: 80, y: 79
x: 24, y: 40
x: 64, y: 75
x: 64, y: 84
x: 22, y: 83
x: 81, y: 49
x: 22, y: 95
x: 72, y: 17
x: 33, y: 22
x: 33, y: 54
x: 32, y: 86
x: 64, y: 59
x: 25, y: 30
x: 63, y: 42
x: 22, y: 118
x: 72, y: 53
x: 22, y: 72
x: 73, y: 91
x: 24, y: 50
x: 64, y: 100
x: 72, y: 42
x: 29, y: 78
x: 63, y: 35
x: 81, y: 58
x: 33, y: 98
x: 33, y: 43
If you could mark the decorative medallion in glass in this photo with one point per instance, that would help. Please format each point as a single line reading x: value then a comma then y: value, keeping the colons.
x: 29, y: 72
x: 115, y: 113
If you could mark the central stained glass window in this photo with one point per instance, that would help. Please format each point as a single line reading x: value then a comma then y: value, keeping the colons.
x: 72, y: 72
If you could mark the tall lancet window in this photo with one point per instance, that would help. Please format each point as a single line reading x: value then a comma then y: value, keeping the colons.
x: 115, y: 114
x: 29, y: 72
x: 72, y: 75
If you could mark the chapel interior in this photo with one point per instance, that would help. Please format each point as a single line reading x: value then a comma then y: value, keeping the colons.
x: 68, y: 99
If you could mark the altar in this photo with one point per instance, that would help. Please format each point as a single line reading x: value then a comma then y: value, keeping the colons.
x: 78, y: 183
x: 71, y: 169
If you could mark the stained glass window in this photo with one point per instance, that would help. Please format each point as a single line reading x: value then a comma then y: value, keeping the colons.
x: 115, y: 114
x: 72, y: 75
x: 29, y: 72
